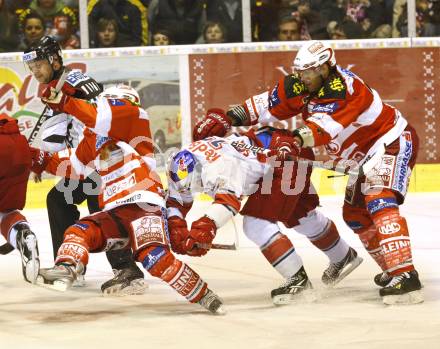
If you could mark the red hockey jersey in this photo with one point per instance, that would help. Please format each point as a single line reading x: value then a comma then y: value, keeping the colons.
x: 346, y: 115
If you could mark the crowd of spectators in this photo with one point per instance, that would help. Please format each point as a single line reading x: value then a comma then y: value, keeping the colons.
x: 114, y: 23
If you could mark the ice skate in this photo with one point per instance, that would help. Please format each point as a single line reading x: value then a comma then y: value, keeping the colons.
x: 382, y: 279
x: 60, y: 277
x: 28, y: 247
x: 404, y: 288
x: 212, y: 302
x: 293, y: 289
x: 128, y: 281
x: 338, y: 271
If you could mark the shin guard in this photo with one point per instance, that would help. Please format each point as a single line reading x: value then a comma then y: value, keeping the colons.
x: 161, y: 263
x: 392, y: 232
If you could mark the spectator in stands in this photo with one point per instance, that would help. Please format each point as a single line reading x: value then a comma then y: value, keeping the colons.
x: 334, y: 10
x: 288, y: 29
x: 106, y: 33
x: 335, y: 31
x: 183, y: 18
x: 33, y: 29
x: 229, y: 14
x: 432, y: 23
x: 63, y: 32
x: 214, y: 33
x: 422, y: 19
x: 398, y: 9
x: 312, y: 25
x: 162, y: 37
x: 8, y: 29
x: 49, y: 10
x: 381, y: 32
x: 130, y: 16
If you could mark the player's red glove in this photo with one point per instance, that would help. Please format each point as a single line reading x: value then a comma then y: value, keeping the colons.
x: 56, y: 100
x: 40, y: 159
x: 200, y: 237
x: 178, y: 233
x: 284, y: 146
x: 216, y: 123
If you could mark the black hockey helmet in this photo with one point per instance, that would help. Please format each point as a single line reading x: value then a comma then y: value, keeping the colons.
x: 46, y: 48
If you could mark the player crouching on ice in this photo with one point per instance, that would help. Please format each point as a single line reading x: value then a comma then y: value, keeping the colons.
x: 16, y: 160
x: 133, y: 212
x: 229, y: 168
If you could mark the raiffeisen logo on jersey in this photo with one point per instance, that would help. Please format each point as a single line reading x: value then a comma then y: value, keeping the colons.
x: 325, y: 108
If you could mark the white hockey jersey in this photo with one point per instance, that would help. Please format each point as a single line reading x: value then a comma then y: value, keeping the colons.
x: 227, y: 169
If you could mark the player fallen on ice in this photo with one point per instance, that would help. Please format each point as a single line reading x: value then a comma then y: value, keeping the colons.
x: 59, y: 131
x: 133, y: 213
x: 227, y: 169
x: 349, y: 118
x: 17, y: 159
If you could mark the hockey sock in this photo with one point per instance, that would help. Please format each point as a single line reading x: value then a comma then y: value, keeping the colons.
x: 161, y: 263
x: 76, y: 245
x: 281, y: 254
x: 371, y: 243
x: 392, y: 232
x: 8, y: 223
x: 329, y: 242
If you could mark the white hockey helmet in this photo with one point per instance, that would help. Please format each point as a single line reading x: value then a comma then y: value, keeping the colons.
x: 121, y: 91
x: 314, y: 54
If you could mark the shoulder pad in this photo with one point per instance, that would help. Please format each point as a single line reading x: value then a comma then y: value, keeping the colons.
x: 293, y: 86
x: 86, y: 87
x: 334, y: 88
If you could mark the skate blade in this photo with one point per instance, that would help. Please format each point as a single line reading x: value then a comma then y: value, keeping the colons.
x: 32, y: 267
x: 79, y: 282
x: 136, y: 287
x: 306, y: 296
x: 32, y: 270
x: 413, y: 297
x: 220, y: 311
x: 58, y: 285
x: 347, y: 270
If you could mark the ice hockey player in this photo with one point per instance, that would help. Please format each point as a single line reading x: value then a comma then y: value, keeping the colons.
x: 348, y: 117
x: 133, y: 212
x: 61, y: 130
x: 16, y: 159
x: 228, y: 169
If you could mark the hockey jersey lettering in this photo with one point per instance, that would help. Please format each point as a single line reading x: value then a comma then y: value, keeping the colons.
x: 224, y: 176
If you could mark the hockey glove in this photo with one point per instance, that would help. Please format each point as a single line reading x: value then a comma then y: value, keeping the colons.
x: 178, y: 233
x: 216, y: 123
x: 53, y: 99
x: 40, y: 159
x: 200, y: 237
x: 284, y: 146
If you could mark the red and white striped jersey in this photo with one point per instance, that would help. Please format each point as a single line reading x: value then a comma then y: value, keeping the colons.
x: 125, y: 177
x: 119, y: 119
x: 346, y: 115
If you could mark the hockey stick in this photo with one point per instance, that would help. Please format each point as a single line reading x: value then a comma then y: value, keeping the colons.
x: 232, y: 246
x: 6, y: 248
x: 43, y: 117
x: 349, y: 167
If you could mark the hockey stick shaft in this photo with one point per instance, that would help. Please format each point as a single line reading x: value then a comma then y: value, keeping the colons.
x: 224, y: 246
x: 232, y: 246
x: 339, y: 165
x: 43, y: 117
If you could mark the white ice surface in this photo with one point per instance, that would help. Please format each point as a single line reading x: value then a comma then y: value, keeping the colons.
x: 349, y: 316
